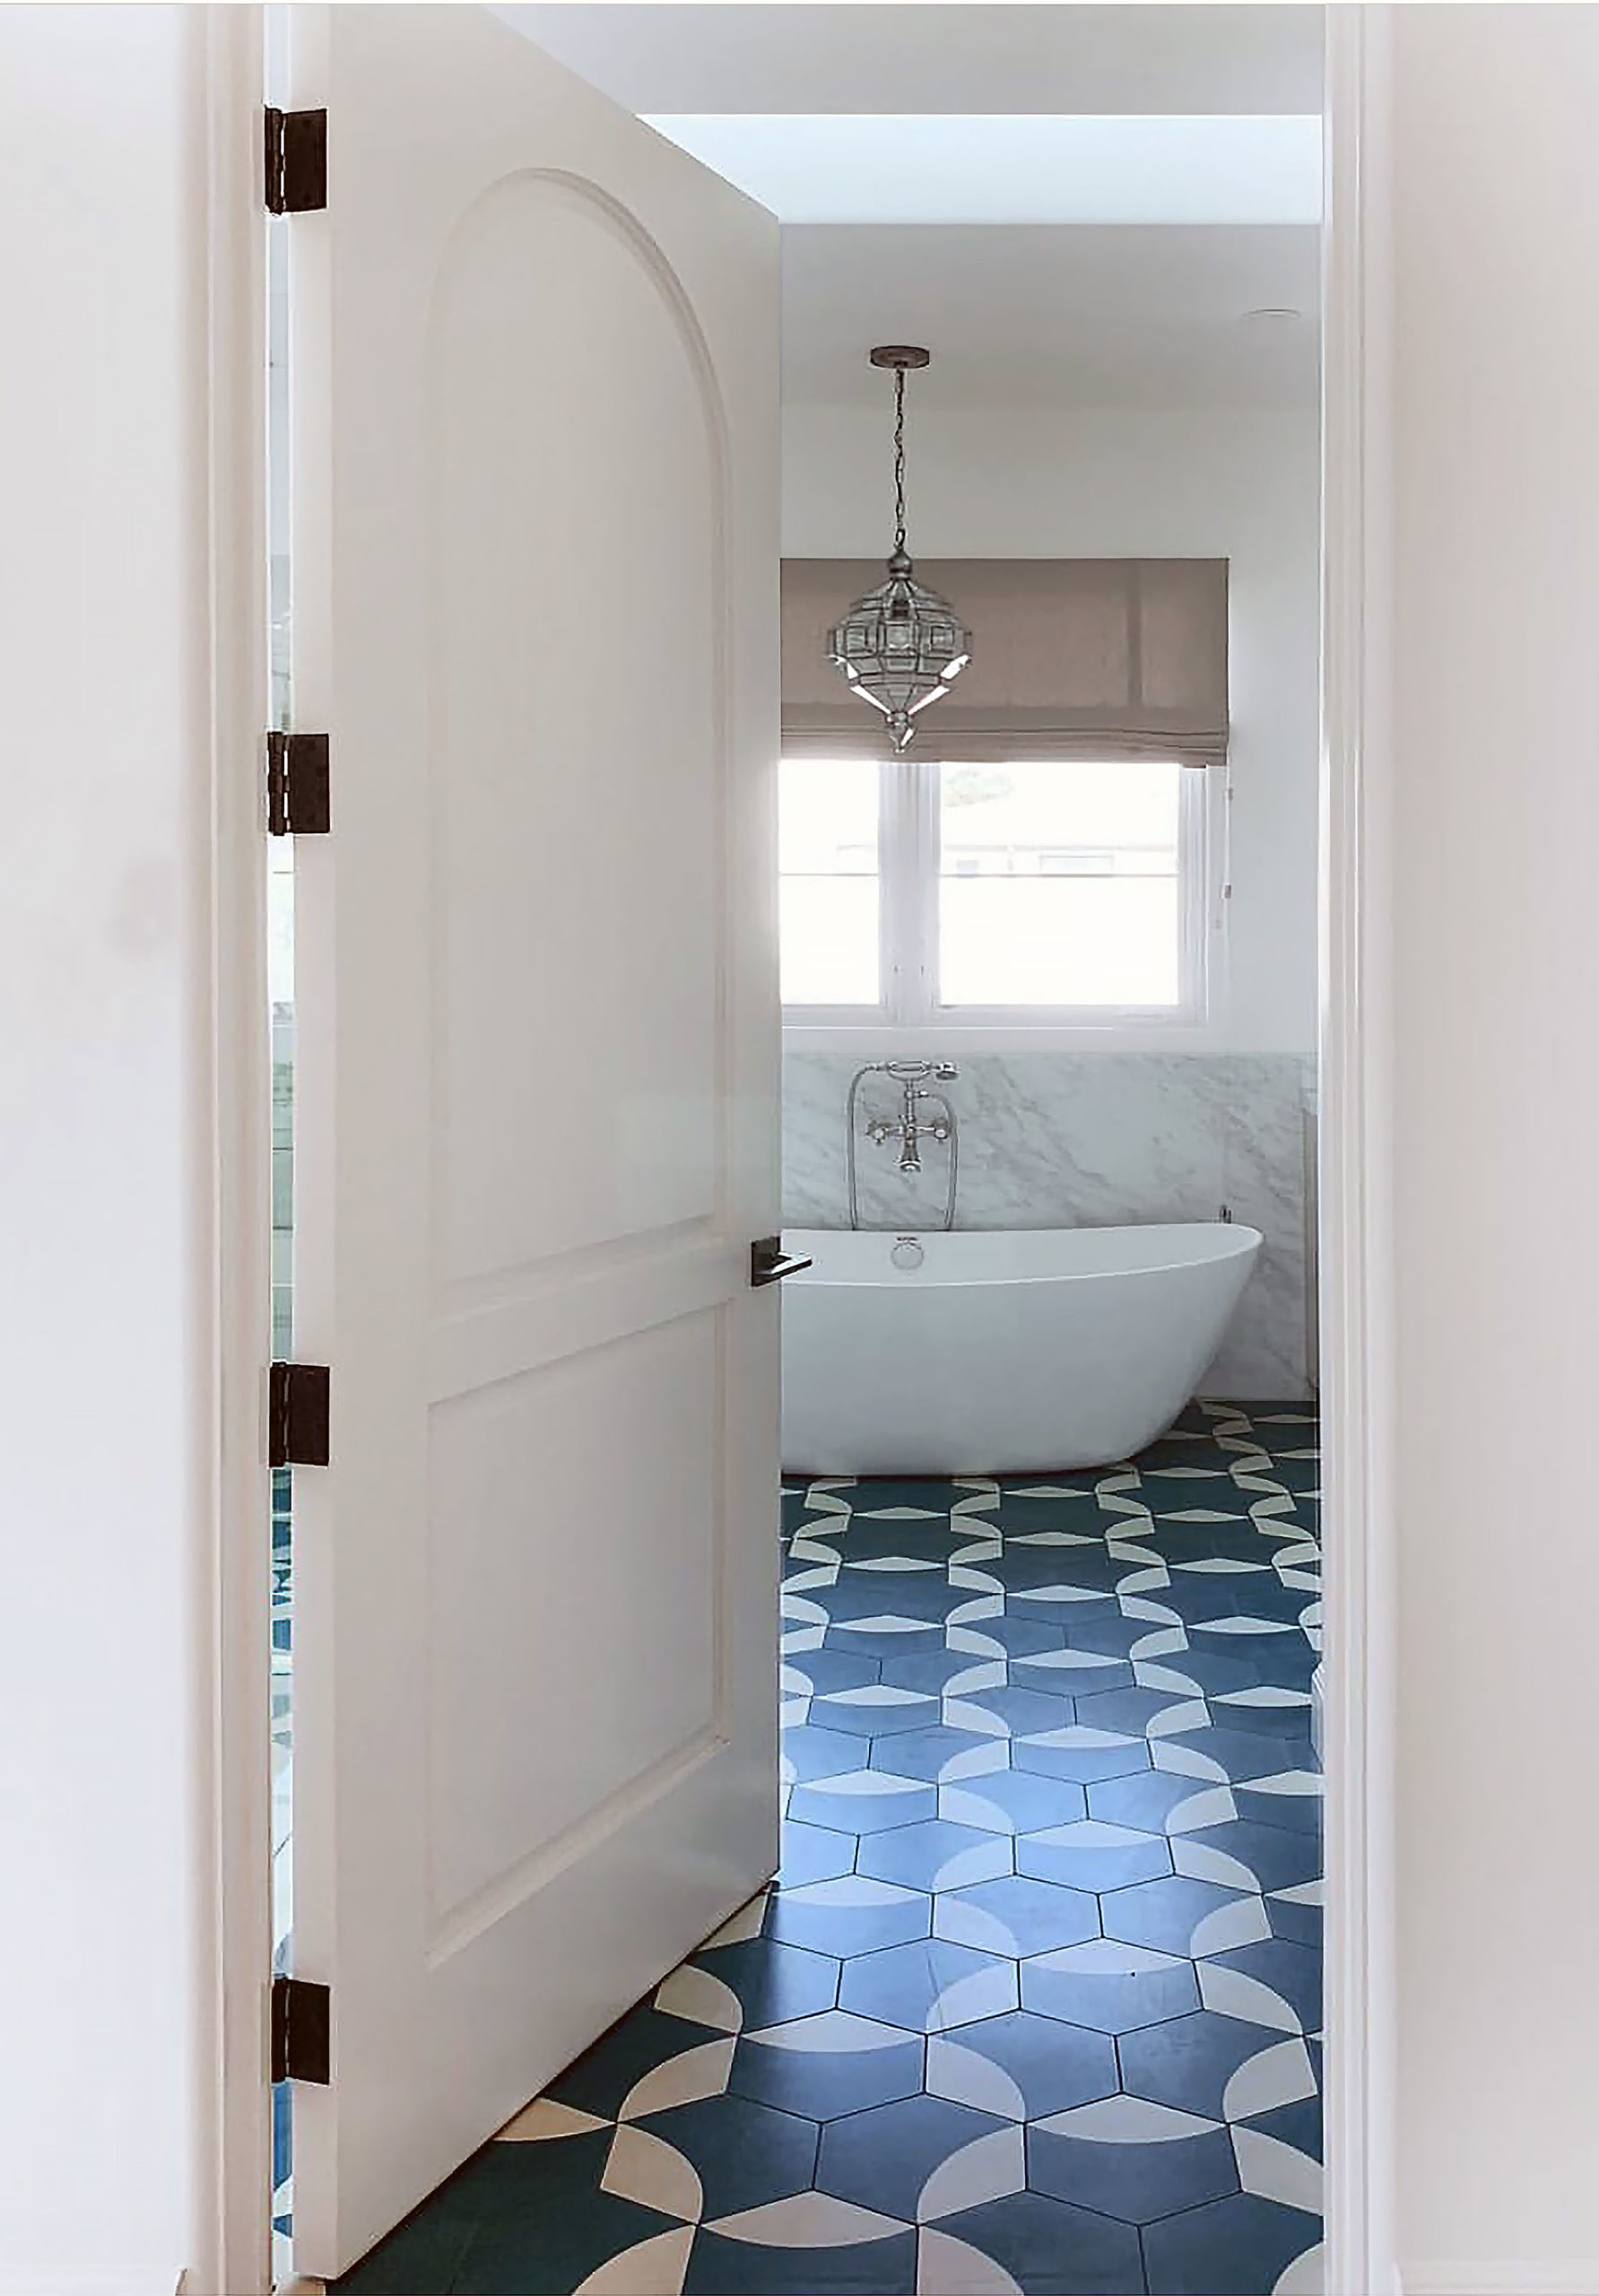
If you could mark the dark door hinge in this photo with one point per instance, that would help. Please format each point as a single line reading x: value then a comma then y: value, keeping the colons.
x: 301, y: 2031
x: 297, y: 1416
x: 297, y: 785
x: 296, y: 161
x: 769, y: 1263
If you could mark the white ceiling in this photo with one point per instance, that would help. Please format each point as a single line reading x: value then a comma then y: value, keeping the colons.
x: 663, y: 58
x: 1045, y: 316
x: 1077, y: 314
x: 1014, y: 168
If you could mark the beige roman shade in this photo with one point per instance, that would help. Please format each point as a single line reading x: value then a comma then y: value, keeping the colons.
x: 1071, y: 657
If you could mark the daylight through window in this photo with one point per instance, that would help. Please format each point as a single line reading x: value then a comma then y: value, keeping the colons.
x: 1039, y: 889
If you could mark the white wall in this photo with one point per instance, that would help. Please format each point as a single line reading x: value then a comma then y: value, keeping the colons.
x: 1494, y: 826
x: 104, y: 1013
x: 105, y: 1377
x: 1088, y: 484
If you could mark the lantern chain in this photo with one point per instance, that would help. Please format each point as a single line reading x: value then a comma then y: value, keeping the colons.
x: 899, y: 458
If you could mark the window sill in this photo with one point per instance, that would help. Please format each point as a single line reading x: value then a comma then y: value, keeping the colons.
x: 947, y: 1038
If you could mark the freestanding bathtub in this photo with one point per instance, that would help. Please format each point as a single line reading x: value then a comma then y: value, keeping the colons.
x: 984, y: 1352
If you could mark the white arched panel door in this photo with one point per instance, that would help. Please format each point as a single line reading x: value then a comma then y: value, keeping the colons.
x: 535, y: 584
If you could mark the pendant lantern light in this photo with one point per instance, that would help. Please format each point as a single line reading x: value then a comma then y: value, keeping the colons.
x: 901, y: 645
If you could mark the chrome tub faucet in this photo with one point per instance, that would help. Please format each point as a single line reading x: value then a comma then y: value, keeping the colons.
x: 910, y: 1129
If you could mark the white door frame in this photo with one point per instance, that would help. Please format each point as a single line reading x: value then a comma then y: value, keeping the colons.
x: 231, y: 1780
x: 231, y: 2210
x: 1356, y: 1256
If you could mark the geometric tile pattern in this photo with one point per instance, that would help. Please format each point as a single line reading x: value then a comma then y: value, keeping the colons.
x: 1034, y: 2003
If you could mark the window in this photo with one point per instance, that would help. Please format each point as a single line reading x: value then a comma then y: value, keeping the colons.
x: 1032, y: 893
x: 828, y: 842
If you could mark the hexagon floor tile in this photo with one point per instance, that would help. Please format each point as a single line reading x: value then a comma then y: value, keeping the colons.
x: 1017, y: 1915
x: 1033, y: 2003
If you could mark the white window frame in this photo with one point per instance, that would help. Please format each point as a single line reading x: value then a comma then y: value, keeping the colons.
x: 907, y: 930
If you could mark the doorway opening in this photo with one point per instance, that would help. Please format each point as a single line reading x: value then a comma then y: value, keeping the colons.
x: 1034, y: 2000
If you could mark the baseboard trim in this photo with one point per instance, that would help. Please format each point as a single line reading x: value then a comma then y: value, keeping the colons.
x: 134, y: 2282
x: 1577, y: 2278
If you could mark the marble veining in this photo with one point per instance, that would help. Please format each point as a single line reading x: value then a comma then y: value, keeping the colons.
x: 1055, y: 1139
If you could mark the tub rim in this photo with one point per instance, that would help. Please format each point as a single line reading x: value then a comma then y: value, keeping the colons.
x: 1243, y: 1241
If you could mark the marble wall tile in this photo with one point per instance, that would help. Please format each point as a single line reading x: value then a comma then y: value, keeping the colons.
x: 1052, y: 1140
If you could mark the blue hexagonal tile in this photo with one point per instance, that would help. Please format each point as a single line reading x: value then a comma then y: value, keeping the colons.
x: 1131, y: 1711
x: 1016, y: 1916
x: 1020, y: 1638
x: 1167, y: 1913
x: 1242, y: 1754
x: 820, y: 2067
x: 1081, y: 1753
x: 1012, y: 1802
x: 1294, y: 1813
x: 885, y: 1633
x: 1275, y: 1857
x: 814, y: 1854
x: 774, y: 1981
x: 927, y: 1672
x: 1089, y: 1855
x: 1298, y: 2124
x: 934, y: 1856
x: 928, y: 1987
x: 1046, y: 2246
x: 721, y: 2264
x: 875, y: 1710
x: 884, y: 2159
x: 1063, y: 1578
x: 811, y: 1752
x: 1238, y: 2246
x: 1188, y: 2061
x: 744, y: 2155
x: 1216, y: 1671
x: 1024, y: 1710
x: 851, y: 1915
x: 864, y: 1801
x: 1095, y: 2156
x: 1201, y: 1597
x: 929, y: 1753
x: 1296, y: 1920
x: 833, y: 1670
x: 1293, y: 1972
x: 1022, y: 2066
x: 1268, y: 1712
x: 1146, y: 1803
x: 1112, y: 1988
x: 599, y: 2081
x: 919, y: 1598
x: 1104, y: 1630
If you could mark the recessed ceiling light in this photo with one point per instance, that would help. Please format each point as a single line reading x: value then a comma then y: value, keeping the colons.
x: 1272, y: 313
